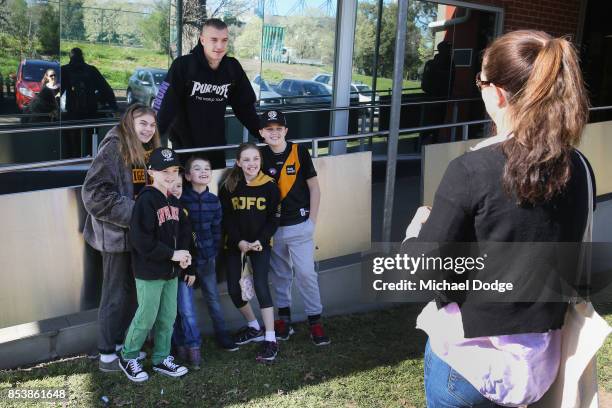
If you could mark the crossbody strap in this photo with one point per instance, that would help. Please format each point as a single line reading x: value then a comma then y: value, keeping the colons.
x: 588, y: 231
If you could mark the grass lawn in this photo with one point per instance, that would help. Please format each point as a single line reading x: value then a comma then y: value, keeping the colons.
x: 604, y: 358
x: 114, y: 62
x: 8, y: 65
x: 375, y: 360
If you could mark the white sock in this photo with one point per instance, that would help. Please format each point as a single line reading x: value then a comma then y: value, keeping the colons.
x: 254, y: 324
x: 271, y: 336
x: 118, y: 347
x: 108, y: 358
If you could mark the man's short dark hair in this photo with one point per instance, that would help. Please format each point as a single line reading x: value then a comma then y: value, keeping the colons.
x: 215, y: 23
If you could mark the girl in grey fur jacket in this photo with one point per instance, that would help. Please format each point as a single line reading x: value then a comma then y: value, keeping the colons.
x: 116, y: 176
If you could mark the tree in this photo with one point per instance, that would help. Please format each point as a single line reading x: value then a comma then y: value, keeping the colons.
x: 419, y: 13
x: 365, y: 34
x: 248, y: 44
x: 4, y: 15
x: 311, y: 35
x: 48, y: 32
x: 72, y: 26
x: 195, y: 12
x: 114, y: 22
x: 156, y: 29
x: 20, y: 25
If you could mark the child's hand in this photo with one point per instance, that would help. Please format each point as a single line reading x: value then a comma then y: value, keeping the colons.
x: 190, y: 279
x: 256, y: 246
x: 185, y: 263
x: 181, y: 255
x: 244, y: 246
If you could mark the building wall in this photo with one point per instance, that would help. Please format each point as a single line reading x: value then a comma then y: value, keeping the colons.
x: 556, y: 17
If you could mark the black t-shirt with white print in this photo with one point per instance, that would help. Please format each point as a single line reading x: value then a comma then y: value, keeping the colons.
x: 295, y: 208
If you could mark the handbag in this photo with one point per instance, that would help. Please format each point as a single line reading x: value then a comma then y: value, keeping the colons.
x: 247, y: 288
x: 583, y: 334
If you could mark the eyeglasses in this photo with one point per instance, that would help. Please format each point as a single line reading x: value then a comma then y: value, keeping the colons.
x: 480, y: 83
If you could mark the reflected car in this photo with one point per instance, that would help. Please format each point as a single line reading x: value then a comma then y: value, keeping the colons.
x: 265, y: 95
x: 326, y: 79
x: 359, y: 92
x: 303, y: 91
x: 29, y: 75
x: 144, y: 84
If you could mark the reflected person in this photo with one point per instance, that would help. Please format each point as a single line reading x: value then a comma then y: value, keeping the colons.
x: 437, y: 83
x: 45, y: 105
x: 85, y: 88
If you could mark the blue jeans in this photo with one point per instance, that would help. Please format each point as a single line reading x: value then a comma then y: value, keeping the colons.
x: 208, y: 284
x: 186, y: 332
x: 446, y: 388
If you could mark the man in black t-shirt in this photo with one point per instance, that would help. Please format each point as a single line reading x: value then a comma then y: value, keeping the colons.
x: 293, y: 250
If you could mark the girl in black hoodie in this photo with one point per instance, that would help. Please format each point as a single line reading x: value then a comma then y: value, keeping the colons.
x: 250, y: 202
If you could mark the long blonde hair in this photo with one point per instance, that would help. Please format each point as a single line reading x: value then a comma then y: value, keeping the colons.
x: 47, y: 79
x: 548, y: 106
x: 236, y: 174
x: 131, y: 147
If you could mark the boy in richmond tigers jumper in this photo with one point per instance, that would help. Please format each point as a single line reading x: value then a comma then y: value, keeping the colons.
x: 160, y: 236
x: 291, y: 166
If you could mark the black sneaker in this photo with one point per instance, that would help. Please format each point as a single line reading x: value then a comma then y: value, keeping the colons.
x: 167, y: 367
x: 248, y: 334
x: 268, y: 351
x: 317, y: 335
x: 133, y: 370
x: 283, y: 329
x: 225, y: 341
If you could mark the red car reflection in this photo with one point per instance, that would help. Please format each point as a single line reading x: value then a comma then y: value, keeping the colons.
x: 29, y: 75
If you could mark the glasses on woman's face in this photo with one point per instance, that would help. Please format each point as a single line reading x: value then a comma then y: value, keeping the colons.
x: 480, y: 83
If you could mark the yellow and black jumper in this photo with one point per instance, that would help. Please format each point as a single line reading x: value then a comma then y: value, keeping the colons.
x: 251, y: 212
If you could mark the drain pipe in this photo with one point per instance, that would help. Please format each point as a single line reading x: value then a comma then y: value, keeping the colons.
x: 394, y: 121
x: 443, y: 24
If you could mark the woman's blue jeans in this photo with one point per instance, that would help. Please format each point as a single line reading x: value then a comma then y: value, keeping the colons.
x: 446, y: 388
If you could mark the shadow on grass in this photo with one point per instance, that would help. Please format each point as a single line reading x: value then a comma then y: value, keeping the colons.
x: 366, y: 349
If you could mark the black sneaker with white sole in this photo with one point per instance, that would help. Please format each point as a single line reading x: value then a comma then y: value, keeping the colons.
x: 283, y: 329
x: 247, y: 335
x: 133, y: 370
x: 268, y: 352
x: 169, y: 368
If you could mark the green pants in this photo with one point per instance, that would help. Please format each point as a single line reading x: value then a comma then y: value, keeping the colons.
x: 156, y: 310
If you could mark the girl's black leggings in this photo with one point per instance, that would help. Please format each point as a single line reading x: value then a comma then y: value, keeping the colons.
x: 261, y: 264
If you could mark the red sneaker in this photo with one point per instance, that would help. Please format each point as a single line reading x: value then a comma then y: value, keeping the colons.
x: 317, y: 335
x: 283, y: 329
